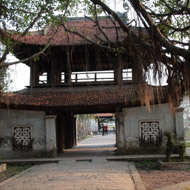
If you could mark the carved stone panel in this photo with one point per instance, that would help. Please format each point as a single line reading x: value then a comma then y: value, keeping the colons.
x: 22, y: 138
x: 150, y: 133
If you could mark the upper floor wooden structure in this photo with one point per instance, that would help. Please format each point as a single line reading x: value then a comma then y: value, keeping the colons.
x: 71, y: 60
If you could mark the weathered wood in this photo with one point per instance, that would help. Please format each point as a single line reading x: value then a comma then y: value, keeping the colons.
x: 68, y: 67
x: 118, y: 70
x: 34, y: 76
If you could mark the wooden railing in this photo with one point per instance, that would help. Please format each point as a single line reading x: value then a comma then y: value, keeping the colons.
x: 89, y: 76
x: 92, y: 76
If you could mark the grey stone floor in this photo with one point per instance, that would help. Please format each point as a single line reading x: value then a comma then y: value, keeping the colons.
x: 98, y: 141
x: 72, y: 174
x: 95, y: 146
x: 98, y: 174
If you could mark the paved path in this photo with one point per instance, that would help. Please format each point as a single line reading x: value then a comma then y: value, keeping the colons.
x: 71, y: 175
x: 96, y: 146
x: 98, y: 141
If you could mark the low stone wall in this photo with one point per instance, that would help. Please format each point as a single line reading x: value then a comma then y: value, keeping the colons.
x: 3, y: 167
x: 142, y: 131
x: 26, y: 133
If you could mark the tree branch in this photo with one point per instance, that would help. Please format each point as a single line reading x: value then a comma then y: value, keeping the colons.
x: 97, y: 22
x: 112, y: 13
x: 18, y: 10
x: 187, y: 4
x: 174, y: 12
x: 40, y: 52
x: 8, y: 49
x: 117, y: 35
x: 85, y: 38
x: 156, y: 32
x: 176, y: 29
x: 167, y: 5
x: 33, y: 56
x: 182, y: 43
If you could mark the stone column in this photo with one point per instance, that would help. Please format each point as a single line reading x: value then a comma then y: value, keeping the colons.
x: 51, y: 141
x: 120, y: 129
x: 179, y: 124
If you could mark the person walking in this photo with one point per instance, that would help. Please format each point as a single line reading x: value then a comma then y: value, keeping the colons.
x: 106, y: 129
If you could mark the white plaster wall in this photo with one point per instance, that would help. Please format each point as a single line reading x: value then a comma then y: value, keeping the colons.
x: 132, y: 116
x: 10, y: 118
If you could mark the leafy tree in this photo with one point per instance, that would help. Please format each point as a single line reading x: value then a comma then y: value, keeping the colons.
x: 166, y: 41
x: 4, y: 79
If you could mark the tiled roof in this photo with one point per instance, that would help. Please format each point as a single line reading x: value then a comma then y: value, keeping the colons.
x: 86, y: 28
x: 126, y: 96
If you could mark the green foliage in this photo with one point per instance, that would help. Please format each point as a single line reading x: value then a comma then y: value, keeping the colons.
x: 171, y: 20
x: 36, y: 59
x: 5, y: 80
x: 181, y: 150
x: 13, y: 170
x: 19, y: 15
x: 16, y: 169
x: 88, y: 8
x: 147, y: 164
x: 187, y: 144
x: 173, y: 147
x: 117, y: 51
x: 170, y: 145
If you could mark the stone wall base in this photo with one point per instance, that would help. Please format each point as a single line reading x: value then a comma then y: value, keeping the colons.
x: 27, y: 154
x: 140, y: 150
x: 174, y: 165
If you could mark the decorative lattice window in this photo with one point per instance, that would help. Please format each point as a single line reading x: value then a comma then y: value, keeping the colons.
x: 22, y: 138
x: 150, y: 133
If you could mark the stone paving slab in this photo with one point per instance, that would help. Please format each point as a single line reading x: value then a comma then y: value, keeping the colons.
x: 98, y: 174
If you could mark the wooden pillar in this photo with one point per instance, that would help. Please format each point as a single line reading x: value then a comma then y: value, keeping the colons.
x: 118, y: 70
x: 52, y: 64
x: 34, y: 73
x: 69, y: 142
x: 97, y: 53
x: 74, y: 131
x: 61, y: 132
x: 68, y: 67
x: 56, y: 72
x: 138, y: 72
x: 49, y: 77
